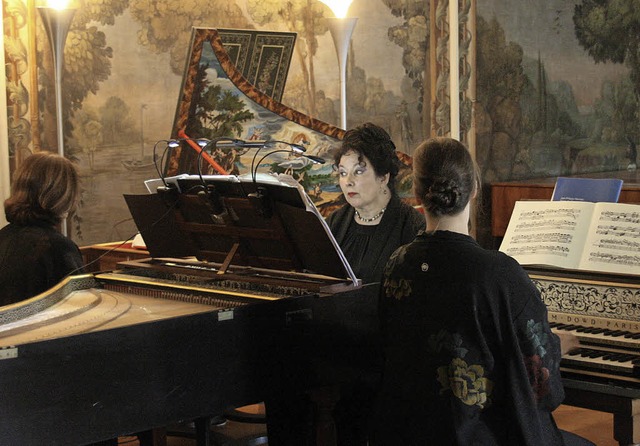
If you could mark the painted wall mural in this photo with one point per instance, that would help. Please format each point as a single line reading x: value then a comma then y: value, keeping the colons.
x: 547, y: 102
x: 557, y: 87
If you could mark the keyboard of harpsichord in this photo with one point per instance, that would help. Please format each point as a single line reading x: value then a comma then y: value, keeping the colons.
x: 596, y: 335
x: 603, y: 351
x: 603, y: 312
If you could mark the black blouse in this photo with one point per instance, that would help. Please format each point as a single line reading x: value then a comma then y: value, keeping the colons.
x: 367, y: 248
x: 34, y: 259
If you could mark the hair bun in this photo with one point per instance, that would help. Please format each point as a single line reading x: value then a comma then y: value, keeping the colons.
x: 442, y: 196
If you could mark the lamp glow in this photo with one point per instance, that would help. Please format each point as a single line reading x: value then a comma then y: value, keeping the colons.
x: 339, y: 7
x: 56, y: 21
x: 58, y: 4
x: 341, y: 29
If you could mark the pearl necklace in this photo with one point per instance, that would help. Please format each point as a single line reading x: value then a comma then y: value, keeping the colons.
x: 374, y: 218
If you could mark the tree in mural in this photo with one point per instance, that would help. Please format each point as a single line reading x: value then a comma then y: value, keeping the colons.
x: 304, y: 17
x: 614, y: 113
x: 87, y: 64
x: 413, y: 37
x: 87, y: 133
x: 116, y: 121
x: 375, y: 95
x: 221, y: 113
x: 609, y: 31
x: 500, y: 84
x: 217, y: 112
x: 519, y: 113
x: 165, y: 25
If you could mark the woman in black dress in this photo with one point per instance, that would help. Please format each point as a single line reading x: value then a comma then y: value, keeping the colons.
x: 469, y: 355
x: 34, y: 255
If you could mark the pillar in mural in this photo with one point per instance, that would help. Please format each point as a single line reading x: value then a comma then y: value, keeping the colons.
x: 440, y: 68
x: 16, y: 19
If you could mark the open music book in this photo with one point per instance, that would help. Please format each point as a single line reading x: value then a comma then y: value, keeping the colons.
x: 603, y: 237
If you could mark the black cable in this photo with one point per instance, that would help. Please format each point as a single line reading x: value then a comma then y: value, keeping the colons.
x: 297, y: 148
x: 213, y: 142
x: 255, y: 172
x: 155, y: 159
x: 253, y: 160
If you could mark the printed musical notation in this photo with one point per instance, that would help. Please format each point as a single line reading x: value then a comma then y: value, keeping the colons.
x: 538, y: 249
x: 578, y: 235
x: 624, y: 217
x: 619, y: 231
x: 618, y: 260
x: 621, y: 245
x: 553, y: 237
x: 545, y: 214
x: 546, y: 224
x: 536, y: 220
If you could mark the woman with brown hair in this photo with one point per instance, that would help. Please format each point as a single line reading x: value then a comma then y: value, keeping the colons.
x: 470, y: 358
x: 34, y: 255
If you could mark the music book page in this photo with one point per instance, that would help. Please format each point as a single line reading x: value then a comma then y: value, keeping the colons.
x: 602, y: 237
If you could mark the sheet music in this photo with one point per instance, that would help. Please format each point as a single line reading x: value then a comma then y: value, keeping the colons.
x: 543, y: 232
x: 263, y: 178
x: 613, y: 242
x: 578, y: 235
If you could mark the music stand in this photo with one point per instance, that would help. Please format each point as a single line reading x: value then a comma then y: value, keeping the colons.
x: 269, y: 223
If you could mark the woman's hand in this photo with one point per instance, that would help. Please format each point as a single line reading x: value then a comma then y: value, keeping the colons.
x: 568, y: 341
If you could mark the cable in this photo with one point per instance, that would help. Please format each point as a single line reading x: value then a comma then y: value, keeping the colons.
x: 155, y: 160
x: 211, y: 142
x: 255, y: 172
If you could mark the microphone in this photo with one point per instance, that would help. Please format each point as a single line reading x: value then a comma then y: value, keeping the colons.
x: 240, y: 143
x: 297, y: 148
x: 315, y: 159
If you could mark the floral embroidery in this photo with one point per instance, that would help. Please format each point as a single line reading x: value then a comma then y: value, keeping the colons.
x: 538, y: 376
x: 466, y: 382
x: 538, y: 337
x: 538, y: 373
x: 397, y: 288
x: 397, y: 258
x: 443, y: 340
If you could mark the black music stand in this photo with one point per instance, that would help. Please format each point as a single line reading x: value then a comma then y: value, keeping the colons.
x: 269, y: 223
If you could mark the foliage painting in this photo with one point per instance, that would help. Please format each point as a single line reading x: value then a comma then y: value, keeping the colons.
x: 532, y: 121
x: 530, y: 117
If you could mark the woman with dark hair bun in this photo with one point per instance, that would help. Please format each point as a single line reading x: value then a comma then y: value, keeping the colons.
x: 469, y: 355
x: 34, y: 255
